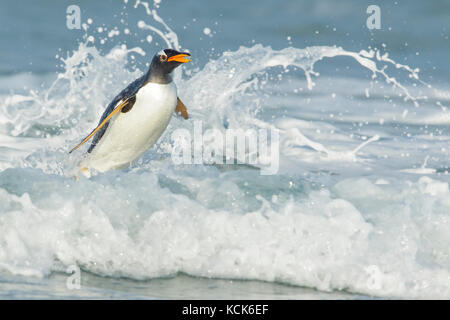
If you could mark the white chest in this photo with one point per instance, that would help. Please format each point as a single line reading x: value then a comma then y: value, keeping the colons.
x: 130, y: 134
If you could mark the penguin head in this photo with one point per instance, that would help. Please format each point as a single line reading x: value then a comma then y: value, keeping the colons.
x: 165, y: 61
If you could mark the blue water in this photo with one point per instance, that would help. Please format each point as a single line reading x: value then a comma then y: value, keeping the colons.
x: 360, y: 204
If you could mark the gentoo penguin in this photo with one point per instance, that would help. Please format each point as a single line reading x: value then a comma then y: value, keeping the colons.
x: 136, y: 117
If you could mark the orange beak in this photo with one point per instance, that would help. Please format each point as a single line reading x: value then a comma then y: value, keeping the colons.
x: 180, y: 58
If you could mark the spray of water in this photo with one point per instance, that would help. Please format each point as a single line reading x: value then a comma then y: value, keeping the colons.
x: 279, y: 229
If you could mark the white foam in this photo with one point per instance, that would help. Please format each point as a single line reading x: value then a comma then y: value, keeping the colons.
x: 326, y: 240
x: 386, y: 234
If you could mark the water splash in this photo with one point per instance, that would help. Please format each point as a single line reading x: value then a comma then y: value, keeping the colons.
x: 209, y: 222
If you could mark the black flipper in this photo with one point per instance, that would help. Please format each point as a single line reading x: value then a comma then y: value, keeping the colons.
x: 129, y: 105
x: 127, y: 93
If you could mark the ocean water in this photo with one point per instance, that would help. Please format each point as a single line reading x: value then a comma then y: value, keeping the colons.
x: 360, y: 205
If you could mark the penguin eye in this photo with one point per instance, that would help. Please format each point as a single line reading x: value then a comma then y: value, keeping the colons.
x: 163, y: 58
